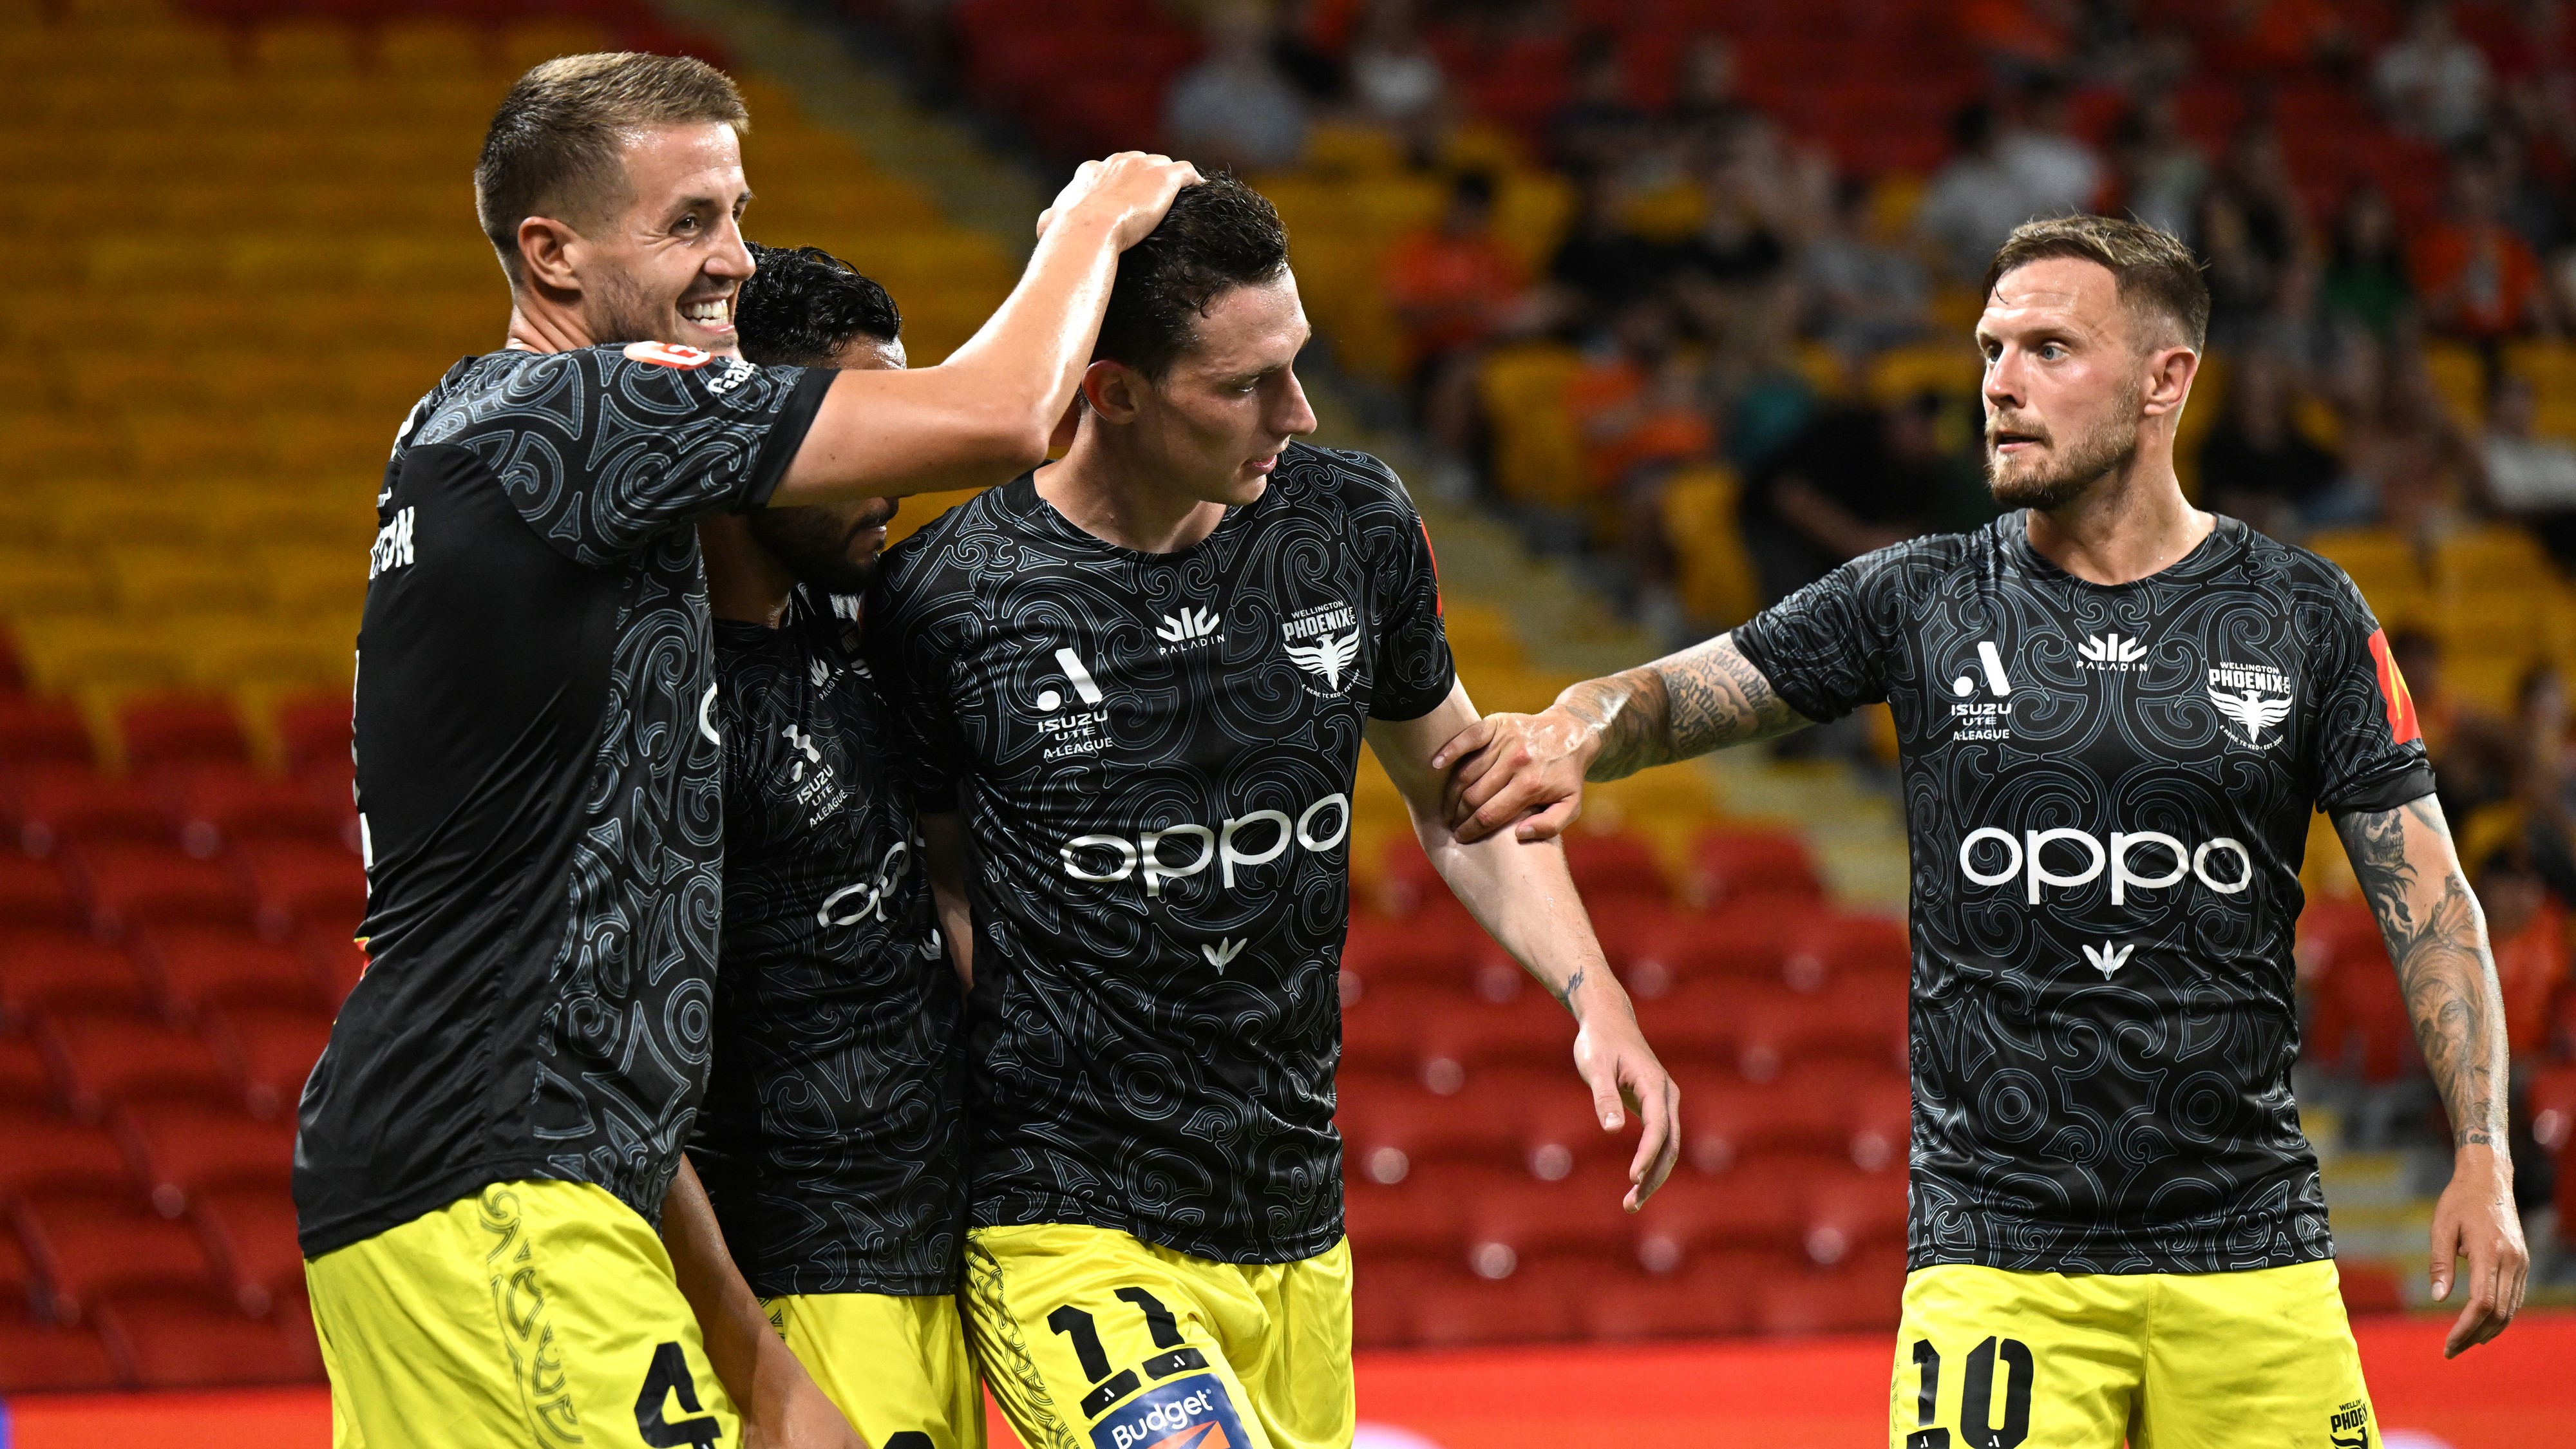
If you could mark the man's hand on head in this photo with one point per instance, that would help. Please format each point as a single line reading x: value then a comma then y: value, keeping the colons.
x: 1130, y: 191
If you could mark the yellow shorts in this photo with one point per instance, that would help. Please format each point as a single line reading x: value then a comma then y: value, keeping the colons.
x: 533, y: 1313
x: 1989, y: 1359
x: 896, y: 1366
x: 1091, y: 1339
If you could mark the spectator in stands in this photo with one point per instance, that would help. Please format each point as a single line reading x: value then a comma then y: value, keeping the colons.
x: 2531, y: 479
x: 1740, y: 251
x: 1601, y: 127
x: 2407, y: 463
x: 2255, y: 465
x: 2432, y: 82
x: 2255, y: 176
x: 1395, y: 78
x: 2366, y: 281
x: 2527, y: 928
x: 2242, y: 281
x: 2525, y: 202
x: 1234, y: 108
x: 2476, y: 755
x: 2477, y: 280
x: 2542, y: 783
x: 2163, y: 170
x: 1856, y: 478
x: 1603, y: 265
x: 1452, y: 286
x: 2052, y: 167
x: 1708, y: 113
x: 1987, y: 188
x: 1865, y: 295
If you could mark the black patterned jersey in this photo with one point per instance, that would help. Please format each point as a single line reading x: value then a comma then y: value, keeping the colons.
x: 538, y: 782
x: 2107, y: 792
x: 832, y: 1137
x: 1153, y: 754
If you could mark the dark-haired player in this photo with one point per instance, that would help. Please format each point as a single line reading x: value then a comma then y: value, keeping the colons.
x: 831, y: 1139
x: 2117, y: 713
x: 487, y: 1143
x: 1145, y: 673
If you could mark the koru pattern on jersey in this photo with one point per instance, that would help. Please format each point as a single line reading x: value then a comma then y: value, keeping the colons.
x: 832, y: 1138
x: 2107, y: 793
x: 538, y: 782
x: 1153, y: 754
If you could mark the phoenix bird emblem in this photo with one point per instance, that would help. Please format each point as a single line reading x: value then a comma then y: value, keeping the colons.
x: 1327, y: 656
x: 2251, y: 710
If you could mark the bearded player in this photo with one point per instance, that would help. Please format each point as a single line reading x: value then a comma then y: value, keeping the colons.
x: 2116, y: 713
x: 830, y: 1142
x: 1144, y: 673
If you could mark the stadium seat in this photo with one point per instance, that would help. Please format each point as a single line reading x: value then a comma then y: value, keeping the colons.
x: 302, y: 882
x: 217, y: 803
x: 1881, y: 1119
x: 1836, y: 949
x: 1692, y: 1024
x: 1382, y: 1298
x: 1727, y: 1121
x: 24, y: 1082
x: 1615, y: 869
x: 100, y: 1057
x: 193, y: 967
x: 39, y: 1358
x: 1464, y: 1311
x: 271, y: 1049
x: 1861, y: 1295
x: 1850, y: 1212
x: 47, y: 1152
x: 1752, y: 1209
x: 180, y: 1148
x: 1386, y: 1137
x: 129, y: 883
x: 198, y: 1339
x: 336, y: 963
x: 1778, y: 1028
x: 179, y: 729
x: 1511, y: 1219
x: 1424, y: 949
x: 41, y: 732
x: 251, y: 1233
x: 1709, y: 1298
x: 1747, y: 941
x: 1531, y: 1030
x: 1416, y: 1220
x: 1559, y: 1132
x: 56, y: 804
x: 1381, y: 1029
x: 54, y: 967
x: 32, y: 893
x: 86, y: 1245
x: 1735, y: 864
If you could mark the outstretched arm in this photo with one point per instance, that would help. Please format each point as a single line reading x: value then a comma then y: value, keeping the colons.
x: 780, y: 1405
x: 1511, y: 766
x: 2437, y: 938
x: 1520, y: 893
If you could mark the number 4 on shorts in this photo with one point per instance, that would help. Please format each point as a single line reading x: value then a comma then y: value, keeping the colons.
x: 670, y: 1375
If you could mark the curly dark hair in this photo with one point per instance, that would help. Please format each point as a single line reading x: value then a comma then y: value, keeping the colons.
x: 804, y: 305
x: 1219, y: 235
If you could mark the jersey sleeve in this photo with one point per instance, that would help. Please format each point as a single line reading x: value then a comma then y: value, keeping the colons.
x: 2366, y: 749
x: 604, y: 449
x: 1412, y: 671
x: 1826, y: 648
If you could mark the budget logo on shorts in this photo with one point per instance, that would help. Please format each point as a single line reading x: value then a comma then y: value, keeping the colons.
x: 1190, y: 1413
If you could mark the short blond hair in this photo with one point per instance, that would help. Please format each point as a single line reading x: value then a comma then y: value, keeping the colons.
x: 2155, y: 272
x: 552, y: 149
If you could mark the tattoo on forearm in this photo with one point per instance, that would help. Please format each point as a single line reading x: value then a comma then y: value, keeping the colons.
x: 1704, y: 698
x: 1573, y: 984
x: 2437, y: 940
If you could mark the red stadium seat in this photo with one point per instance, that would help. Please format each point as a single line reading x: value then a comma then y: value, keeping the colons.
x: 126, y: 883
x: 32, y: 893
x: 251, y: 1232
x: 1511, y: 1219
x: 2551, y: 1103
x: 192, y: 1340
x: 1559, y: 1130
x: 1776, y: 1029
x: 1417, y: 1220
x: 182, y: 1148
x: 1801, y: 1115
x: 43, y: 1358
x: 179, y: 729
x: 1744, y: 942
x: 1385, y: 1138
x: 41, y: 731
x: 1630, y: 929
x: 303, y: 882
x: 1862, y: 1295
x: 1425, y: 949
x: 314, y: 730
x: 1382, y: 1297
x: 1381, y: 1029
x: 1692, y: 1023
x: 1530, y: 1031
x: 336, y: 962
x: 1850, y: 1212
x: 1731, y: 865
x: 48, y: 968
x: 223, y: 802
x: 87, y: 1245
x: 52, y: 805
x: 1463, y: 1311
x: 1755, y: 1209
x: 1882, y: 1123
x: 1614, y: 868
x: 100, y: 1057
x: 1406, y: 880
x: 24, y: 1081
x: 1709, y: 1298
x: 193, y: 967
x: 46, y: 1152
x: 272, y: 1050
x: 1840, y: 949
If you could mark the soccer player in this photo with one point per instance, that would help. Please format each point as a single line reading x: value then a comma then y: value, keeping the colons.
x: 2116, y: 713
x: 1144, y: 674
x: 486, y: 1145
x: 832, y: 1136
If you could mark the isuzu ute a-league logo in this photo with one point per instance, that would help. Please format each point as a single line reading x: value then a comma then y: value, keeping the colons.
x: 2256, y: 697
x: 1075, y: 731
x: 1988, y: 717
x: 1324, y: 641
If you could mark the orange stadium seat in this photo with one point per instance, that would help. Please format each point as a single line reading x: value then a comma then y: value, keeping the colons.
x: 180, y: 1148
x: 193, y: 967
x: 101, y: 1056
x: 89, y: 1244
x: 32, y: 893
x: 272, y: 1050
x: 127, y: 883
x: 198, y: 1339
x: 56, y: 804
x: 46, y: 968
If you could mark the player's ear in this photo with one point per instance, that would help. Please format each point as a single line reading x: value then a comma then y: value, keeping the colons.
x: 545, y: 254
x: 1114, y: 391
x: 2169, y: 371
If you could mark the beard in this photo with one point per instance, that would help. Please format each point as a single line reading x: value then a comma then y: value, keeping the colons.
x: 621, y: 313
x: 817, y: 544
x: 2071, y: 473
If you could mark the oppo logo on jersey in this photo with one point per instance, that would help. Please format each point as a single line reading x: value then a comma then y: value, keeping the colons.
x: 1264, y: 835
x: 854, y: 903
x: 2025, y: 858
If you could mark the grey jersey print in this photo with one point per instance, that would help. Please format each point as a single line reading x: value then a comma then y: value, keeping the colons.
x: 833, y: 1134
x: 537, y: 782
x: 2108, y: 792
x: 1154, y: 756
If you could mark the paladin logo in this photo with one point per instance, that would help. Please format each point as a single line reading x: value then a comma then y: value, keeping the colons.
x: 1190, y: 628
x: 2108, y: 957
x: 1221, y: 954
x: 2110, y: 651
x: 1324, y: 641
x: 2245, y: 693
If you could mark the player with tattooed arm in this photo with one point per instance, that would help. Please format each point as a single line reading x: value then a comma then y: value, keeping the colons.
x: 2116, y: 714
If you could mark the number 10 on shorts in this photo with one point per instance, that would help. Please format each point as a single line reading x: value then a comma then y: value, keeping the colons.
x: 1978, y: 1397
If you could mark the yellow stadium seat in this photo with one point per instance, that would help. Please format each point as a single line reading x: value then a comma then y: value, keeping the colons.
x: 1524, y: 691
x: 1715, y: 575
x: 304, y: 579
x: 99, y: 519
x: 921, y: 510
x: 419, y: 48
x: 37, y: 581
x: 2492, y: 558
x: 2459, y: 375
x: 60, y: 445
x: 66, y: 654
x: 532, y: 42
x: 231, y: 654
x: 1346, y: 148
x: 1532, y: 211
x: 1391, y: 205
x: 1949, y: 367
x: 1481, y: 146
x: 165, y: 580
x: 2374, y: 552
x: 1538, y: 455
x: 331, y: 444
x: 296, y: 51
x: 1667, y: 213
x: 1483, y: 637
